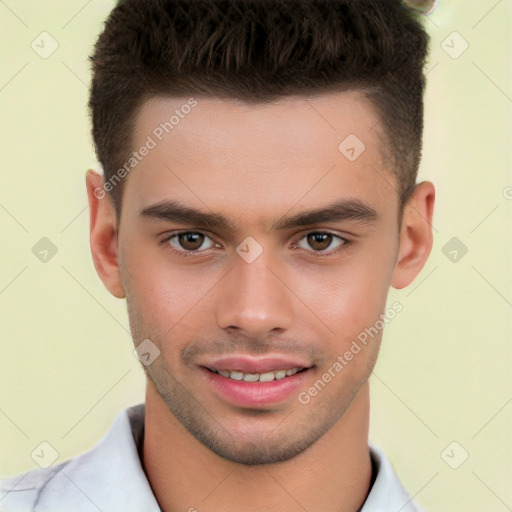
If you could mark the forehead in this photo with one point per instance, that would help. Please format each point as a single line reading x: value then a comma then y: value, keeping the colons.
x: 219, y: 153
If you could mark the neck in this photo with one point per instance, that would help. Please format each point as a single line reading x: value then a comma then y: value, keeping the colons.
x: 332, y: 474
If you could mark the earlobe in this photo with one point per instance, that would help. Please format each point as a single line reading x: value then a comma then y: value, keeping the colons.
x: 416, y: 238
x: 103, y: 234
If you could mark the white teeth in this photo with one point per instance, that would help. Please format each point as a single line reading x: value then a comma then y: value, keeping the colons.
x: 251, y: 377
x: 266, y: 377
x: 258, y: 377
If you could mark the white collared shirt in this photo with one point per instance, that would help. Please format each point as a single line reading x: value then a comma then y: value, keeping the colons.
x: 110, y: 478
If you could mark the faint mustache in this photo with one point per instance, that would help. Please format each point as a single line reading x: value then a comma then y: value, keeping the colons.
x: 250, y: 347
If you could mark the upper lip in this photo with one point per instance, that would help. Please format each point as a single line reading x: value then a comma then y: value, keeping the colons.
x: 249, y: 364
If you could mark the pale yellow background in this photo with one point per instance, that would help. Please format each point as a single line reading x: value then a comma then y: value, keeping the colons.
x: 444, y: 372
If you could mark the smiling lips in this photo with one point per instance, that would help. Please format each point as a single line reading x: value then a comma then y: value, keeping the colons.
x: 246, y: 381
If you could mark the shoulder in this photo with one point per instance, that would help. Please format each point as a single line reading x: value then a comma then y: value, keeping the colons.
x: 21, y: 493
x: 108, y: 477
x: 71, y: 485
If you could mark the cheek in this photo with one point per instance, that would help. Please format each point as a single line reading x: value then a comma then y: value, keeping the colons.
x: 166, y: 298
x: 147, y: 282
x: 163, y: 297
x: 347, y: 298
x: 350, y: 303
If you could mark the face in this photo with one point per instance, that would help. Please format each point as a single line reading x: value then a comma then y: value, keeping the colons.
x: 251, y: 247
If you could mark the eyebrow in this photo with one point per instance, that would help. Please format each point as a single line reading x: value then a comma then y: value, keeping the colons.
x: 350, y: 209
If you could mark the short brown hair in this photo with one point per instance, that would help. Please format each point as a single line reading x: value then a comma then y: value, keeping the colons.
x: 258, y: 51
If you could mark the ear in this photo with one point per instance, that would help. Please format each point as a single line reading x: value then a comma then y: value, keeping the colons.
x: 416, y: 238
x: 103, y: 234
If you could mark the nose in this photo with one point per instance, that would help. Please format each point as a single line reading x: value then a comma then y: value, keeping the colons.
x: 255, y: 299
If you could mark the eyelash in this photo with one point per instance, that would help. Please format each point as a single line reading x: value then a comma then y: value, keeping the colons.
x: 324, y: 254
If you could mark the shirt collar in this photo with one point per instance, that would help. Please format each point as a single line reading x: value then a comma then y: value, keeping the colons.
x: 129, y: 488
x: 387, y: 493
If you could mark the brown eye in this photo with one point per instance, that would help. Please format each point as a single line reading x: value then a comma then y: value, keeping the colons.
x: 320, y: 241
x: 190, y: 241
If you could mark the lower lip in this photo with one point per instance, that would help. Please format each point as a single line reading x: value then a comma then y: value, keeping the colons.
x: 244, y: 393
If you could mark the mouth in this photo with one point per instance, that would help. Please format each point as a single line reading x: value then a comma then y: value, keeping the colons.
x: 249, y: 382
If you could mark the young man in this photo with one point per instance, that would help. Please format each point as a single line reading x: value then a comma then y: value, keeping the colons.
x: 259, y: 198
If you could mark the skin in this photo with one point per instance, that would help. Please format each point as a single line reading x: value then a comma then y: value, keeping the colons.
x: 253, y: 165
